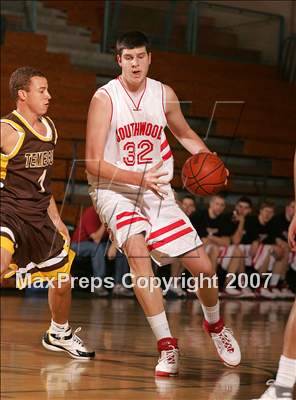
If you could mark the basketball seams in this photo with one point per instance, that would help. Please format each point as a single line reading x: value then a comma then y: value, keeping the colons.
x: 208, y: 184
x: 202, y: 164
x: 212, y: 171
x: 195, y: 185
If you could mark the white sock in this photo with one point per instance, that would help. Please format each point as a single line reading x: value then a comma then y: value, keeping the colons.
x: 159, y: 325
x: 58, y: 328
x: 274, y: 280
x: 212, y: 314
x: 286, y: 375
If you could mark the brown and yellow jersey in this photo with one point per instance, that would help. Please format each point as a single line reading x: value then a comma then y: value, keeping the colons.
x: 26, y: 171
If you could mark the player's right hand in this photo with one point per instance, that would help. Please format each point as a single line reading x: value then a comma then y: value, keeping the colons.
x: 153, y: 180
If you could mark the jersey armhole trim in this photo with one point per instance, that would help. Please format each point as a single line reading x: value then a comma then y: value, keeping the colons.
x: 106, y: 91
x: 19, y: 142
x: 54, y: 127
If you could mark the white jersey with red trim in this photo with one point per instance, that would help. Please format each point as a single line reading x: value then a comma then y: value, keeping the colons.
x: 136, y: 139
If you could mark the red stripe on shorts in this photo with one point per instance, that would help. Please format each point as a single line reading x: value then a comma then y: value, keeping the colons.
x: 130, y: 221
x: 170, y: 238
x: 126, y: 214
x: 167, y: 228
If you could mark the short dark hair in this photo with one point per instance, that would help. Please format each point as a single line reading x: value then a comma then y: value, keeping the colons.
x: 131, y: 40
x: 190, y: 197
x: 245, y: 199
x: 267, y: 204
x: 20, y: 80
x: 219, y: 195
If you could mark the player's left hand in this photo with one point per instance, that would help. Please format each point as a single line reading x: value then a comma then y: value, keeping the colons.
x: 227, y: 171
x: 61, y: 227
x: 111, y: 253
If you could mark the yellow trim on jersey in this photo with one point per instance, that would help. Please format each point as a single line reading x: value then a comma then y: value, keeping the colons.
x: 19, y: 143
x: 16, y: 126
x: 31, y: 129
x: 4, y: 158
x: 3, y: 167
x: 55, y: 129
x: 6, y: 244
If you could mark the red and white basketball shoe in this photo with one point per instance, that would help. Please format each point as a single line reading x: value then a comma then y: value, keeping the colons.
x: 168, y: 361
x: 225, y: 343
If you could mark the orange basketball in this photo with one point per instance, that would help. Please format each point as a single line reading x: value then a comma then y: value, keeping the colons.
x: 204, y: 174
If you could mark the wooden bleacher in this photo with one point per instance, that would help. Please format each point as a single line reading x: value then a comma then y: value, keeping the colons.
x: 268, y: 122
x: 91, y: 17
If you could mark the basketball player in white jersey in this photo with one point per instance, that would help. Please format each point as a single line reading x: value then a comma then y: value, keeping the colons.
x: 130, y: 164
x: 282, y: 387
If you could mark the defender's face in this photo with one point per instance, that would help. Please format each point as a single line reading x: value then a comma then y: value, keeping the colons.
x: 134, y: 64
x: 37, y: 97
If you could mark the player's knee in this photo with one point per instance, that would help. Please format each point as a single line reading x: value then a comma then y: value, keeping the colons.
x: 62, y: 286
x: 135, y: 247
x: 207, y: 269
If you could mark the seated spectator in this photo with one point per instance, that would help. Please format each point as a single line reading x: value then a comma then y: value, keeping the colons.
x: 258, y: 246
x: 211, y: 230
x: 230, y: 257
x: 90, y: 239
x: 279, y: 231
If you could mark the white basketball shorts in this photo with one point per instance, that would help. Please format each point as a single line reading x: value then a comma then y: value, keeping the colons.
x: 128, y: 211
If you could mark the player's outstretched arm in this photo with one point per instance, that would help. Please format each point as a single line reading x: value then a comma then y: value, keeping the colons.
x: 178, y: 125
x: 98, y: 124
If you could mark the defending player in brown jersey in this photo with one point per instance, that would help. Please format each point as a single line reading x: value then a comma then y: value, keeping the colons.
x: 34, y: 240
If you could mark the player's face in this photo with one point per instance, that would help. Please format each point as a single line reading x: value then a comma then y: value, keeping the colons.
x: 134, y: 64
x: 188, y: 206
x: 266, y: 214
x: 243, y: 208
x: 290, y: 210
x: 217, y: 206
x: 37, y: 97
